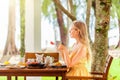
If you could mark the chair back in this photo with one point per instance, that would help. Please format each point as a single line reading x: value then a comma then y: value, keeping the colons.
x: 108, y: 62
x: 55, y: 55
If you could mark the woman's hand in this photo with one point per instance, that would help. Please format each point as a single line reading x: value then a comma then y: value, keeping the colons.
x: 61, y: 47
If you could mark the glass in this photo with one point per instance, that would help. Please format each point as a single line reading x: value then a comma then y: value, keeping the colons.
x: 45, y: 47
x: 58, y: 43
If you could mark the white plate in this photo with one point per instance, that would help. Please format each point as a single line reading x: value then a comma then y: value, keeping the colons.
x: 15, y: 67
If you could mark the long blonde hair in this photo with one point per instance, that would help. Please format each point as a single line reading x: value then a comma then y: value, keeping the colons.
x: 83, y: 35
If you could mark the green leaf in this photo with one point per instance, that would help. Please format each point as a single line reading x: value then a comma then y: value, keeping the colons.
x: 45, y: 6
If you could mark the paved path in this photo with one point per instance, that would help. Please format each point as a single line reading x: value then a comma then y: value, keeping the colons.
x: 115, y: 53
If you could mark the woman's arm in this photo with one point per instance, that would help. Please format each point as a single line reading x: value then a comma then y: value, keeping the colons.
x: 70, y: 61
x: 65, y: 54
x: 81, y: 53
x: 66, y: 57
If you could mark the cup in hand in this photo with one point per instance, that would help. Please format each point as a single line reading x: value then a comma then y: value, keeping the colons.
x: 58, y: 43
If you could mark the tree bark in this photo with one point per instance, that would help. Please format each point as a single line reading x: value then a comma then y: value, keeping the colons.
x: 64, y: 10
x: 101, y: 34
x: 62, y: 28
x: 71, y: 6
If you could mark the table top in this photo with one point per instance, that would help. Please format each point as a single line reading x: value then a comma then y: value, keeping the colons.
x: 33, y: 72
x: 33, y: 69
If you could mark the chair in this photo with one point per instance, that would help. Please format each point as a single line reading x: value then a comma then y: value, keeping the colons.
x: 96, y: 75
x: 55, y: 55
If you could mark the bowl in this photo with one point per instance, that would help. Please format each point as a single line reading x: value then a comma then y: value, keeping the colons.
x: 41, y: 65
x: 33, y: 64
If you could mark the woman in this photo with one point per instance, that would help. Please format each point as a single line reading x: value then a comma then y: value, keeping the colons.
x: 80, y: 54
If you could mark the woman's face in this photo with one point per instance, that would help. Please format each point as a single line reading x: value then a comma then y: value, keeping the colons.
x: 74, y: 32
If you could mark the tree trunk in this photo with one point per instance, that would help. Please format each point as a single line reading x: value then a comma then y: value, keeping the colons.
x: 58, y: 5
x: 63, y: 31
x: 22, y: 27
x: 101, y: 34
x: 10, y: 47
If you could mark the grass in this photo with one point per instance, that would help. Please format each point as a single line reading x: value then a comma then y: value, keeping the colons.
x: 114, y: 72
x: 50, y: 78
x: 21, y: 78
x: 13, y: 78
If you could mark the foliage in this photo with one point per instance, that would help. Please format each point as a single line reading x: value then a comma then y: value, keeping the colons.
x: 115, y: 8
x: 48, y: 10
x: 45, y: 7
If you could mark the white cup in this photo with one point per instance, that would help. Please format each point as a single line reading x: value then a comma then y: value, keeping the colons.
x: 51, y: 60
x: 48, y: 60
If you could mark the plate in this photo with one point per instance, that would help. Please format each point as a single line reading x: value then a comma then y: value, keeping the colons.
x: 2, y: 64
x: 15, y: 67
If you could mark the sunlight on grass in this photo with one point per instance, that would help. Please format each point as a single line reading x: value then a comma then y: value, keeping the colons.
x: 22, y: 78
x: 114, y: 73
x: 13, y: 78
x: 50, y: 78
x: 3, y: 78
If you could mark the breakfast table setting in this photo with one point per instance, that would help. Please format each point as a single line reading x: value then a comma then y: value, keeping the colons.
x: 40, y: 66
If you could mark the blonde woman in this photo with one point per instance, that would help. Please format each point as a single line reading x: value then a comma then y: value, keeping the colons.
x: 77, y: 58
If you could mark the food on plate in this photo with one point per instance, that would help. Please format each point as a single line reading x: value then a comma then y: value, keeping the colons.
x: 6, y: 63
x: 57, y: 64
x: 14, y: 67
x: 22, y: 64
